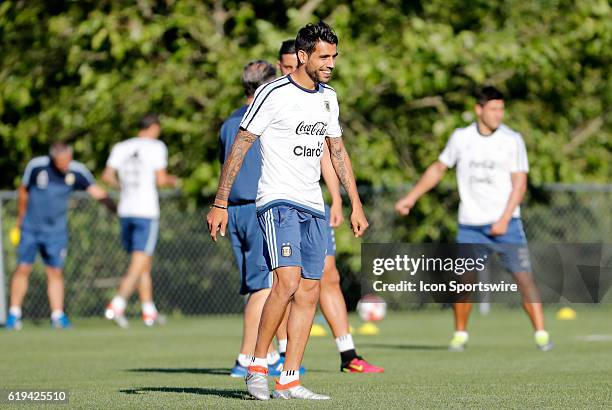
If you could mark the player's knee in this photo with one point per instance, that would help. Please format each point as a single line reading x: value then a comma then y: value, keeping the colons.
x: 308, y: 294
x: 287, y: 287
x: 54, y: 273
x: 23, y: 271
x: 331, y: 277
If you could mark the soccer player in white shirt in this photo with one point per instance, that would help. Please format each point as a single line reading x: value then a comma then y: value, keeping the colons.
x: 492, y: 168
x: 293, y: 117
x: 138, y: 167
x: 331, y: 298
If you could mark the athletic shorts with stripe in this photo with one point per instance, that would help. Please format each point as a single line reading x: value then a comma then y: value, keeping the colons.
x: 248, y: 245
x: 51, y: 245
x: 511, y: 247
x: 139, y: 234
x: 294, y: 238
x: 331, y: 236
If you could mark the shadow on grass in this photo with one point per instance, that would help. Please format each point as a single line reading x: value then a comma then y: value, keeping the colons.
x: 189, y: 370
x: 403, y: 346
x: 227, y: 393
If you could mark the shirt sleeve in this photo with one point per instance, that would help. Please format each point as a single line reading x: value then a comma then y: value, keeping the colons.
x: 26, y: 179
x: 160, y: 159
x: 334, y: 130
x: 261, y: 111
x: 82, y: 177
x: 520, y: 162
x: 114, y: 159
x: 450, y: 154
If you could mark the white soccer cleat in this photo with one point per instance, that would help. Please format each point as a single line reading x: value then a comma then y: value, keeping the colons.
x: 459, y: 342
x: 151, y: 320
x: 257, y: 385
x: 298, y: 392
x: 542, y: 340
x: 116, y: 316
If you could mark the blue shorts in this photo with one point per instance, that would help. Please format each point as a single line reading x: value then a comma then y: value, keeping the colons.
x: 247, y: 243
x: 331, y: 236
x: 139, y: 234
x: 294, y: 238
x: 52, y: 247
x: 511, y: 247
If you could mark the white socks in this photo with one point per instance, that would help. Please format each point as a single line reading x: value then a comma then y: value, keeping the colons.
x: 345, y: 343
x: 282, y: 345
x: 288, y: 376
x: 118, y: 303
x: 462, y: 334
x: 273, y: 357
x: 15, y: 311
x: 244, y: 360
x: 148, y: 308
x: 56, y: 314
x: 259, y: 361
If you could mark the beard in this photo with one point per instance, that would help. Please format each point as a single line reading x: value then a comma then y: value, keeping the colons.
x: 316, y: 75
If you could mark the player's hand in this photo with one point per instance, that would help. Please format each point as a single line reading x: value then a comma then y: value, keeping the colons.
x: 359, y: 223
x: 217, y: 222
x: 499, y: 228
x: 404, y: 205
x: 335, y: 215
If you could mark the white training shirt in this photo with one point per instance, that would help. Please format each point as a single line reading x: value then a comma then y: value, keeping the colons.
x: 136, y: 161
x: 292, y: 123
x: 484, y: 168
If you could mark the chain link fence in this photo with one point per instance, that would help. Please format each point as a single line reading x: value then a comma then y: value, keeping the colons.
x: 194, y: 276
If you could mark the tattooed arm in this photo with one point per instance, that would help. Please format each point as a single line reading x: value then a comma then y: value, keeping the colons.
x: 217, y: 217
x: 342, y: 164
x: 333, y: 186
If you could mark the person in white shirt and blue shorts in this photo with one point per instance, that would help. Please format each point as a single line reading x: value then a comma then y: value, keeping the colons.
x: 492, y: 167
x: 293, y: 117
x: 138, y: 167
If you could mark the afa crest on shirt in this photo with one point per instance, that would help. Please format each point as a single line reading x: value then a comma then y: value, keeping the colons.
x: 69, y: 179
x: 326, y: 105
x: 42, y: 180
x: 286, y: 250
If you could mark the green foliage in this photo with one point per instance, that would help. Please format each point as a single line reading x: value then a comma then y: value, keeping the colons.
x: 86, y: 71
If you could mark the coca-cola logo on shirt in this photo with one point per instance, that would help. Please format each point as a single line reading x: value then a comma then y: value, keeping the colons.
x: 318, y: 128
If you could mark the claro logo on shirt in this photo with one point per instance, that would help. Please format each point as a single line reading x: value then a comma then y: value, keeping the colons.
x: 304, y: 151
x: 318, y: 128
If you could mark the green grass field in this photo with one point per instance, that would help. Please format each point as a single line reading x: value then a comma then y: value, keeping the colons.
x: 185, y: 364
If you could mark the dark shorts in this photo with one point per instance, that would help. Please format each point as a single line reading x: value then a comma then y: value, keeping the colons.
x: 139, y: 234
x: 511, y: 247
x: 52, y: 247
x: 294, y: 238
x: 247, y: 243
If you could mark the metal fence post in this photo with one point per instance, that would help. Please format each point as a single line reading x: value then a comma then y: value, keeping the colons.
x: 2, y: 278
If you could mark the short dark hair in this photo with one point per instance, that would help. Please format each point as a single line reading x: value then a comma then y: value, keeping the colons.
x: 256, y: 73
x: 309, y: 35
x: 488, y: 93
x: 148, y: 120
x: 288, y: 47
